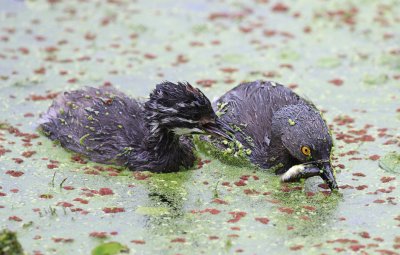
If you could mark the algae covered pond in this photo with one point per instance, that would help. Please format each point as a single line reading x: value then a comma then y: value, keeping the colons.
x: 342, y: 55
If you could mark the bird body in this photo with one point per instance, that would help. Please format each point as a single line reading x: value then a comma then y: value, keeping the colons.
x: 109, y: 127
x: 280, y: 128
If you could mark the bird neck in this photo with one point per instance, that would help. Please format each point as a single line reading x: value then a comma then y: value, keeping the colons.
x: 161, y: 138
x: 278, y: 156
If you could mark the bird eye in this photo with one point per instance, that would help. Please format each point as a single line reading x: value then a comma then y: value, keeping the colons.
x: 306, y: 150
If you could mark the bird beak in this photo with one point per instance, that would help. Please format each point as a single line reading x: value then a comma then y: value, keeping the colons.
x: 326, y: 174
x: 219, y: 128
x: 324, y: 170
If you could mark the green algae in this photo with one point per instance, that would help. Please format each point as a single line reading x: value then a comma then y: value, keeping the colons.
x: 9, y: 244
x: 390, y: 162
x: 291, y: 122
x: 233, y: 154
x: 82, y: 139
x: 370, y: 79
x: 329, y: 62
x: 110, y: 248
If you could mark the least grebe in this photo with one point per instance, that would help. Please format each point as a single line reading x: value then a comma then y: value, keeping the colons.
x: 281, y: 130
x: 109, y: 127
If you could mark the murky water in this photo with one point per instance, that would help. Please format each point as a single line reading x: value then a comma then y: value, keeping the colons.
x: 344, y: 56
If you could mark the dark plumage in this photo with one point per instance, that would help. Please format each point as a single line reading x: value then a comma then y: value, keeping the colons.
x: 280, y: 128
x: 109, y: 127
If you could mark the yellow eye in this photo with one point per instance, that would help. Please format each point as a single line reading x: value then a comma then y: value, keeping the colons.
x: 306, y: 150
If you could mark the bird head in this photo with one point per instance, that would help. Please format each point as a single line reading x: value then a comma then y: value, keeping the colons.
x: 305, y: 136
x: 184, y: 110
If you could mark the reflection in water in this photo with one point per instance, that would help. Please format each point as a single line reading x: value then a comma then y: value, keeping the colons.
x: 167, y: 196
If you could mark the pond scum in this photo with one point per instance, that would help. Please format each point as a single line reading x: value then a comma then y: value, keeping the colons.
x: 9, y: 244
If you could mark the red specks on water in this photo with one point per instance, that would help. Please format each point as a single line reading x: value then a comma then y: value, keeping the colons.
x: 52, y: 166
x: 359, y: 174
x: 229, y: 70
x: 386, y: 179
x: 386, y: 252
x: 138, y: 241
x: 379, y: 201
x: 263, y: 220
x: 343, y: 241
x: 367, y: 138
x: 40, y: 70
x: 213, y: 238
x: 378, y: 239
x: 343, y: 120
x: 309, y: 208
x: 14, y: 190
x: 364, y: 234
x: 81, y: 200
x: 236, y: 216
x: 235, y: 228
x: 14, y: 173
x: 105, y: 192
x: 336, y: 82
x: 46, y: 196
x: 140, y: 176
x: 100, y: 235
x: 180, y: 59
x: 47, y: 96
x: 251, y: 192
x: 78, y: 159
x: 72, y: 80
x: 346, y: 186
x: 356, y: 247
x: 113, y: 210
x: 90, y: 36
x: 29, y: 115
x: 287, y: 210
x: 149, y: 56
x: 227, y: 184
x: 28, y: 154
x: 208, y: 210
x: 65, y: 204
x: 227, y: 15
x: 206, y: 83
x: 178, y: 240
x: 323, y: 186
x: 23, y: 50
x: 240, y: 183
x: 296, y: 247
x: 62, y: 240
x: 220, y: 201
x: 68, y: 188
x: 196, y: 44
x: 280, y: 7
x: 15, y: 218
x: 361, y: 187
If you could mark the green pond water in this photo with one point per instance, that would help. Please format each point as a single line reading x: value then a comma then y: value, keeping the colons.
x: 342, y: 55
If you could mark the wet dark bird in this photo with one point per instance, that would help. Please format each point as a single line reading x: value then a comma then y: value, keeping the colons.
x: 283, y: 131
x: 109, y: 127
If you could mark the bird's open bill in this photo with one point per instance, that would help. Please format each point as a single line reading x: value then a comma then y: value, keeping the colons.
x: 219, y: 128
x: 303, y: 171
